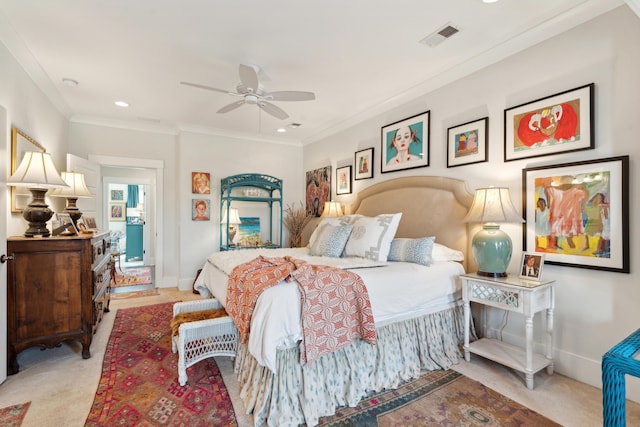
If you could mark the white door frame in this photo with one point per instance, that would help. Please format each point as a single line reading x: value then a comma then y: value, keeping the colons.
x: 155, y: 191
x: 4, y: 190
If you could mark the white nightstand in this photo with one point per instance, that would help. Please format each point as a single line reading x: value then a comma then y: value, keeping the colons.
x: 513, y: 294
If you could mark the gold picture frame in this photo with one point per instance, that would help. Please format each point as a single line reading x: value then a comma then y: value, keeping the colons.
x: 117, y: 211
x: 20, y: 144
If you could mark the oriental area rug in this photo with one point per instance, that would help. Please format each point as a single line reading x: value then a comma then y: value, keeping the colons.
x: 133, y: 277
x: 438, y: 398
x: 12, y: 416
x: 139, y: 383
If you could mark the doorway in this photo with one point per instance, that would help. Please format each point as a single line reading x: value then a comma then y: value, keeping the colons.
x: 125, y: 170
x: 127, y: 219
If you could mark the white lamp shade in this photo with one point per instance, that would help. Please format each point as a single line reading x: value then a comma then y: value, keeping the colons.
x: 233, y: 218
x: 36, y: 171
x: 332, y: 209
x: 492, y: 204
x: 76, y: 186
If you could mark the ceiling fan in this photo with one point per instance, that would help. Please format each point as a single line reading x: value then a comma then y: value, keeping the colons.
x: 250, y: 91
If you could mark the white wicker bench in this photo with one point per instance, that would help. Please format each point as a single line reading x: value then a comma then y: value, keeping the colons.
x: 201, y: 339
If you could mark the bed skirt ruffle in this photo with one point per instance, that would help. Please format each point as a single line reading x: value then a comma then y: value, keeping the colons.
x: 299, y: 394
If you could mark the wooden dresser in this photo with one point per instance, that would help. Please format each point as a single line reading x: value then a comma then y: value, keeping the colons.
x: 57, y: 290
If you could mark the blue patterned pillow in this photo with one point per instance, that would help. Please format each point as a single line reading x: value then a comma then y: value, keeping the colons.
x: 417, y: 251
x: 331, y: 240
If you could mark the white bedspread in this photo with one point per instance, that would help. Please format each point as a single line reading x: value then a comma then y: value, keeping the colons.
x: 397, y: 291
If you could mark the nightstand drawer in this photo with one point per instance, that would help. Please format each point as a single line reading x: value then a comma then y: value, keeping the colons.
x: 496, y: 296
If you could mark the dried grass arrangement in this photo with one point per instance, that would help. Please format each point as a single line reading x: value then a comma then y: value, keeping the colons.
x: 295, y: 219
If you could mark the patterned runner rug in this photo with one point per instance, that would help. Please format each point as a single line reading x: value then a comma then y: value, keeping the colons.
x: 12, y: 416
x: 438, y: 398
x: 139, y: 383
x: 133, y: 277
x: 135, y: 294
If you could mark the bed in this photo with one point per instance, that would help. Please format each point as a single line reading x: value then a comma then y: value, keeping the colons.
x: 424, y: 335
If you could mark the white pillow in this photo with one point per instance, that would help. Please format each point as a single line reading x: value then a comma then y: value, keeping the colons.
x: 331, y: 240
x: 371, y: 236
x: 444, y: 253
x: 341, y: 220
x: 417, y: 251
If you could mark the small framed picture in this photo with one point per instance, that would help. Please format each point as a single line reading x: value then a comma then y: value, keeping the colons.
x: 364, y: 164
x: 82, y: 226
x: 200, y: 210
x: 531, y: 266
x: 66, y: 227
x: 200, y: 182
x: 467, y: 143
x: 117, y: 211
x: 90, y: 222
x: 117, y: 195
x: 343, y: 180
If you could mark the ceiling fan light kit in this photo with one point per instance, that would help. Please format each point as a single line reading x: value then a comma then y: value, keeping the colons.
x: 252, y: 92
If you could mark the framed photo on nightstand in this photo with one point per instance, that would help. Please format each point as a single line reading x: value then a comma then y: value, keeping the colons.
x: 531, y: 266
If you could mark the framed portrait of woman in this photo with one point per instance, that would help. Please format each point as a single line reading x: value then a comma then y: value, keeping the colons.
x: 405, y: 143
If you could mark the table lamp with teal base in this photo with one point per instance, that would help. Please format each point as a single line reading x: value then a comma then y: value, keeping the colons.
x: 491, y: 246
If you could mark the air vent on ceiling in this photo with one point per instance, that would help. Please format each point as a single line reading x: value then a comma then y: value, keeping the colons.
x: 438, y: 36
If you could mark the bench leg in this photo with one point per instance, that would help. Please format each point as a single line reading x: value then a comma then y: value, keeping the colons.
x: 613, y: 395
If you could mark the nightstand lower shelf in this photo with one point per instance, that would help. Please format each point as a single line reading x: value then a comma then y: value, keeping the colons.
x: 509, y: 355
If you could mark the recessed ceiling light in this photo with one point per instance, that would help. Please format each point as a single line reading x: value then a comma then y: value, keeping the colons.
x: 122, y: 104
x: 281, y: 130
x: 489, y: 1
x: 70, y: 82
x: 295, y: 125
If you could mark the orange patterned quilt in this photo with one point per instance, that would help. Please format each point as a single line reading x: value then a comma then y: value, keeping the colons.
x: 335, y: 302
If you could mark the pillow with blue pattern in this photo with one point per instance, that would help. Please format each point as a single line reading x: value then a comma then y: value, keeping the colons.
x: 417, y: 251
x: 330, y: 240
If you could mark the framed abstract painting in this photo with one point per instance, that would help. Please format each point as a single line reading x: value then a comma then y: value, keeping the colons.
x: 577, y: 214
x: 559, y: 123
x: 318, y: 190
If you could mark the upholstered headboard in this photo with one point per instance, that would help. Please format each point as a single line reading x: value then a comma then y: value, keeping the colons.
x: 430, y: 206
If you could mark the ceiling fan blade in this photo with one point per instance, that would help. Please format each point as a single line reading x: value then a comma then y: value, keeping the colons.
x: 215, y: 89
x: 249, y: 77
x: 274, y: 110
x: 231, y: 106
x: 290, y: 95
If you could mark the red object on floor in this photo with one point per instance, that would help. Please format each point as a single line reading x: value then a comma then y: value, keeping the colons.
x: 139, y: 383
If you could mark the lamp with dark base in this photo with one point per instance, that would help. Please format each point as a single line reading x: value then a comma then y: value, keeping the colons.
x: 76, y: 189
x: 38, y: 174
x: 37, y: 213
x: 491, y: 246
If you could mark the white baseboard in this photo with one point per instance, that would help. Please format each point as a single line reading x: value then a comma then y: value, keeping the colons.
x: 578, y: 367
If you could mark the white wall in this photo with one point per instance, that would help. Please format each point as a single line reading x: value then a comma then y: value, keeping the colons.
x: 594, y: 309
x: 186, y: 242
x: 223, y: 156
x: 41, y: 121
x: 96, y: 140
x: 37, y: 118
